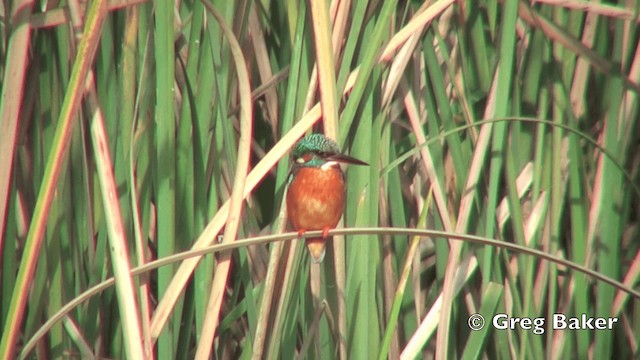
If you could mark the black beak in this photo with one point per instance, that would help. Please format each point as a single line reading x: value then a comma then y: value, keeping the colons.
x: 346, y: 159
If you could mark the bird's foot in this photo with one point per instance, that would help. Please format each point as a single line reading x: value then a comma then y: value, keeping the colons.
x: 325, y: 232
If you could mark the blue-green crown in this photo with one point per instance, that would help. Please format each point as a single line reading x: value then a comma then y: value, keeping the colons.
x: 318, y: 146
x: 317, y: 143
x: 316, y: 150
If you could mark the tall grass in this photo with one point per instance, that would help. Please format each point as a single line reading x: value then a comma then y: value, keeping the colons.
x: 141, y: 141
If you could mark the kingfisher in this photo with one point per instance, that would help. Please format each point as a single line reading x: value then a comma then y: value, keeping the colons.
x: 316, y: 195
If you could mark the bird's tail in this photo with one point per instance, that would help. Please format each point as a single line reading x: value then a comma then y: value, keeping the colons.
x: 317, y: 249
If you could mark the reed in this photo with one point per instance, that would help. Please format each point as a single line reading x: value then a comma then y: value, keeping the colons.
x: 143, y: 141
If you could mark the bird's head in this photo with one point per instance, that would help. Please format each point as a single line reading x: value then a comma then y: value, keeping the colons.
x: 317, y: 150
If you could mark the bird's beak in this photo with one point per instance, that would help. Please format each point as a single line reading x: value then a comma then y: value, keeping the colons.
x: 346, y: 159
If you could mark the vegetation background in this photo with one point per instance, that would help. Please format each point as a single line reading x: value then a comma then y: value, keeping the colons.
x: 136, y: 130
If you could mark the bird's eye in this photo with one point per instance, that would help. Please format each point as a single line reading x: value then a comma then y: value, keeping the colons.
x: 304, y: 158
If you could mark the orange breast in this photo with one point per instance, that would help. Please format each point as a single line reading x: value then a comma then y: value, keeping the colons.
x: 315, y: 198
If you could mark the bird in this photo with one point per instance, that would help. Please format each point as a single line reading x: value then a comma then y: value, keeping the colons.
x: 317, y: 189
